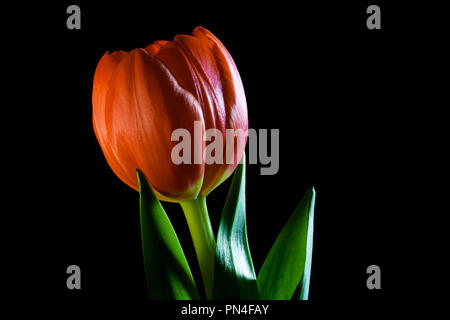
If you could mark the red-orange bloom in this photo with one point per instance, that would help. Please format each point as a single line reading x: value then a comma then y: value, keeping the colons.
x: 140, y: 97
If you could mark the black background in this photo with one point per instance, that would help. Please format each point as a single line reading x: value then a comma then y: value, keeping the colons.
x: 341, y: 95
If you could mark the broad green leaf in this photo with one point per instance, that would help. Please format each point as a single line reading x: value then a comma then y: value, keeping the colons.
x: 166, y: 269
x: 288, y: 265
x: 234, y: 275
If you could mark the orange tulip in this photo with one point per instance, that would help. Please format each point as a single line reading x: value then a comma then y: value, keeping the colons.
x: 140, y: 97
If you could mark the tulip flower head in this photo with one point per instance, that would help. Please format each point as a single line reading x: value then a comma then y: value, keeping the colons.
x: 141, y: 97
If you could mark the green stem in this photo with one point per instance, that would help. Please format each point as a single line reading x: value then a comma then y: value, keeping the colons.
x: 202, y: 235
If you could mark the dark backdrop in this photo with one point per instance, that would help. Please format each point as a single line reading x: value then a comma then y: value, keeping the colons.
x: 334, y: 89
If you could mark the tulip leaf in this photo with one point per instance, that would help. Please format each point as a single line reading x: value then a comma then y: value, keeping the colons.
x: 166, y: 269
x: 286, y: 271
x: 234, y: 274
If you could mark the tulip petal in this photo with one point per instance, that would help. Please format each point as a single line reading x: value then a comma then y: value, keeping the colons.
x: 144, y: 105
x: 232, y: 88
x: 206, y: 69
x: 102, y: 77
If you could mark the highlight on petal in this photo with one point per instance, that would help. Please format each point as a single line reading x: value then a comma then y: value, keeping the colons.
x: 206, y: 35
x: 154, y: 47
